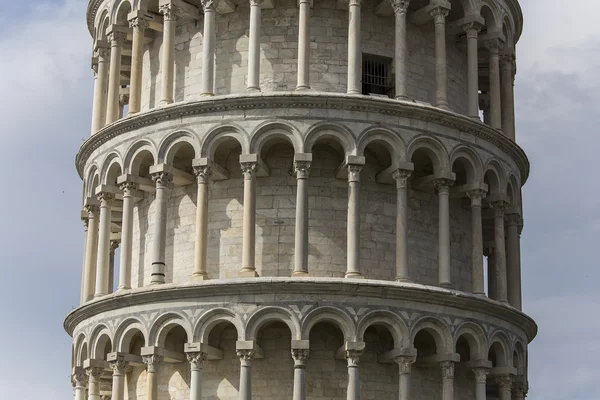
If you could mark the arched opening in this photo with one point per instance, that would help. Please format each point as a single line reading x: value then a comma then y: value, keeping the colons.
x: 466, y: 348
x: 323, y: 367
x: 222, y: 376
x: 426, y: 373
x: 103, y: 347
x: 173, y: 337
x: 132, y: 343
x: 492, y: 180
x: 141, y: 163
x: 484, y: 65
x: 376, y: 376
x: 275, y: 339
x: 121, y: 19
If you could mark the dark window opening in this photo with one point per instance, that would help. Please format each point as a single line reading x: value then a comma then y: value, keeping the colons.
x: 377, y: 76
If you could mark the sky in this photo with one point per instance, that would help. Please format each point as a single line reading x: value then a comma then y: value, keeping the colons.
x: 45, y: 113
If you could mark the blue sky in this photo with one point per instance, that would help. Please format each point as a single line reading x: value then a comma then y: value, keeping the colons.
x: 45, y: 112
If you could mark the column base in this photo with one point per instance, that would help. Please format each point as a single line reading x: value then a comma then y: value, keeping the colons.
x: 445, y: 285
x: 354, y: 275
x: 403, y: 279
x: 402, y: 98
x: 443, y: 106
x: 164, y: 103
x: 247, y: 273
x: 121, y: 288
x: 207, y: 94
x: 300, y: 274
x: 252, y: 89
x: 200, y: 277
x: 302, y: 88
x: 353, y: 92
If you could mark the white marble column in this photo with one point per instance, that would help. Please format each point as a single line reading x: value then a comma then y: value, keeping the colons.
x: 118, y: 379
x: 249, y: 223
x: 513, y: 266
x: 114, y: 245
x: 443, y: 188
x: 208, y: 49
x: 163, y: 182
x: 401, y: 48
x: 245, y: 391
x: 203, y: 174
x: 353, y: 228
x: 128, y: 189
x: 302, y: 169
x: 493, y: 46
x: 139, y: 26
x: 101, y: 90
x: 114, y: 81
x: 196, y: 360
x: 80, y: 380
x: 354, y: 48
x: 167, y: 64
x: 472, y: 30
x: 404, y: 370
x: 439, y: 15
x: 83, y: 296
x: 491, y: 269
x: 152, y: 362
x: 507, y: 66
x: 505, y: 387
x: 300, y: 357
x: 480, y: 382
x: 353, y: 391
x: 254, y: 46
x: 91, y: 252
x: 103, y: 259
x: 94, y: 374
x: 500, y: 251
x: 447, y: 380
x: 401, y: 176
x: 303, y: 45
x: 477, y: 275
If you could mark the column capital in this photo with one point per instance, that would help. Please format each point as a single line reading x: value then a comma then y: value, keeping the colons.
x: 442, y: 185
x: 401, y: 176
x: 504, y: 382
x: 114, y: 244
x: 520, y: 388
x: 118, y: 367
x: 405, y: 363
x: 353, y: 357
x: 500, y: 208
x: 400, y: 6
x: 439, y: 13
x: 447, y: 369
x: 300, y: 356
x: 256, y: 2
x: 209, y: 5
x: 245, y: 356
x: 162, y: 179
x: 105, y: 198
x: 476, y: 196
x: 117, y: 38
x: 354, y: 3
x: 128, y: 187
x: 508, y: 61
x: 138, y: 23
x: 472, y: 29
x: 79, y: 377
x: 102, y: 52
x: 170, y: 11
x: 196, y: 359
x: 94, y: 373
x: 92, y: 209
x: 203, y: 173
x: 123, y: 99
x: 493, y: 45
x: 512, y: 219
x: 249, y: 168
x: 354, y: 172
x: 152, y: 362
x: 481, y: 374
x: 302, y: 169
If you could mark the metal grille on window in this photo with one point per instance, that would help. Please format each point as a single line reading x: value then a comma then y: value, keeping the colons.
x: 376, y: 76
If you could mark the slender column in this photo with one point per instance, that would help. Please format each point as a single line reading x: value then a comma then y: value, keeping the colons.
x: 493, y: 46
x: 354, y: 50
x: 443, y: 188
x: 83, y: 296
x: 114, y: 81
x: 114, y: 244
x: 353, y: 391
x: 303, y: 45
x: 139, y: 26
x: 491, y: 259
x: 507, y: 66
x: 254, y: 46
x: 441, y: 75
x: 91, y: 252
x: 249, y: 223
x: 208, y: 49
x: 203, y: 174
x: 519, y: 390
x: 353, y: 268
x: 476, y: 197
x: 245, y: 374
x: 513, y: 267
x: 128, y: 189
x: 152, y: 362
x: 118, y: 379
x: 500, y: 251
x: 169, y: 11
x: 301, y: 236
x: 472, y: 29
x: 401, y: 177
x: 404, y: 370
x: 505, y: 387
x: 93, y: 374
x: 163, y: 182
x: 101, y: 90
x: 103, y: 260
x: 80, y: 380
x: 480, y: 382
x: 300, y: 357
x: 401, y: 48
x: 447, y: 380
x: 196, y: 360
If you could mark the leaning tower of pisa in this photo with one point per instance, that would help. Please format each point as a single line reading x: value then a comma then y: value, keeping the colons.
x: 302, y: 199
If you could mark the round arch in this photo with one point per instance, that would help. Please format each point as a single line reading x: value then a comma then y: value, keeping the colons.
x: 333, y: 315
x: 163, y: 324
x: 173, y: 142
x: 392, y: 141
x: 475, y: 336
x: 212, y: 318
x: 499, y: 345
x: 339, y: 133
x: 111, y: 166
x: 272, y: 314
x: 132, y: 159
x: 496, y: 177
x: 433, y: 149
x: 473, y: 161
x: 437, y: 329
x: 126, y: 331
x: 223, y: 132
x: 273, y: 130
x: 391, y: 321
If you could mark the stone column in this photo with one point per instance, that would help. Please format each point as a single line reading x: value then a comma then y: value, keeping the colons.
x: 505, y: 387
x: 114, y: 81
x: 301, y: 235
x: 249, y: 224
x: 513, y: 267
x: 447, y: 380
x: 203, y: 174
x: 439, y: 15
x: 196, y: 360
x: 404, y: 370
x: 94, y: 374
x: 245, y: 374
x: 354, y: 49
x: 353, y: 239
x: 401, y: 177
x: 114, y: 245
x: 443, y: 188
x: 353, y: 391
x: 123, y: 101
x: 493, y: 46
x: 401, y: 48
x: 163, y: 182
x: 254, y: 46
x: 100, y: 90
x: 500, y: 251
x: 167, y: 64
x: 91, y: 252
x: 103, y: 260
x: 476, y: 196
x: 79, y: 384
x: 519, y: 390
x: 83, y: 296
x: 300, y: 357
x: 507, y: 66
x: 128, y: 189
x: 480, y: 382
x: 472, y: 29
x: 208, y: 49
x: 303, y: 45
x: 152, y: 362
x: 139, y: 26
x: 491, y: 259
x: 118, y: 379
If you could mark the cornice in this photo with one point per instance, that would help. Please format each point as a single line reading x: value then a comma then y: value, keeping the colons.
x: 288, y: 100
x: 305, y: 287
